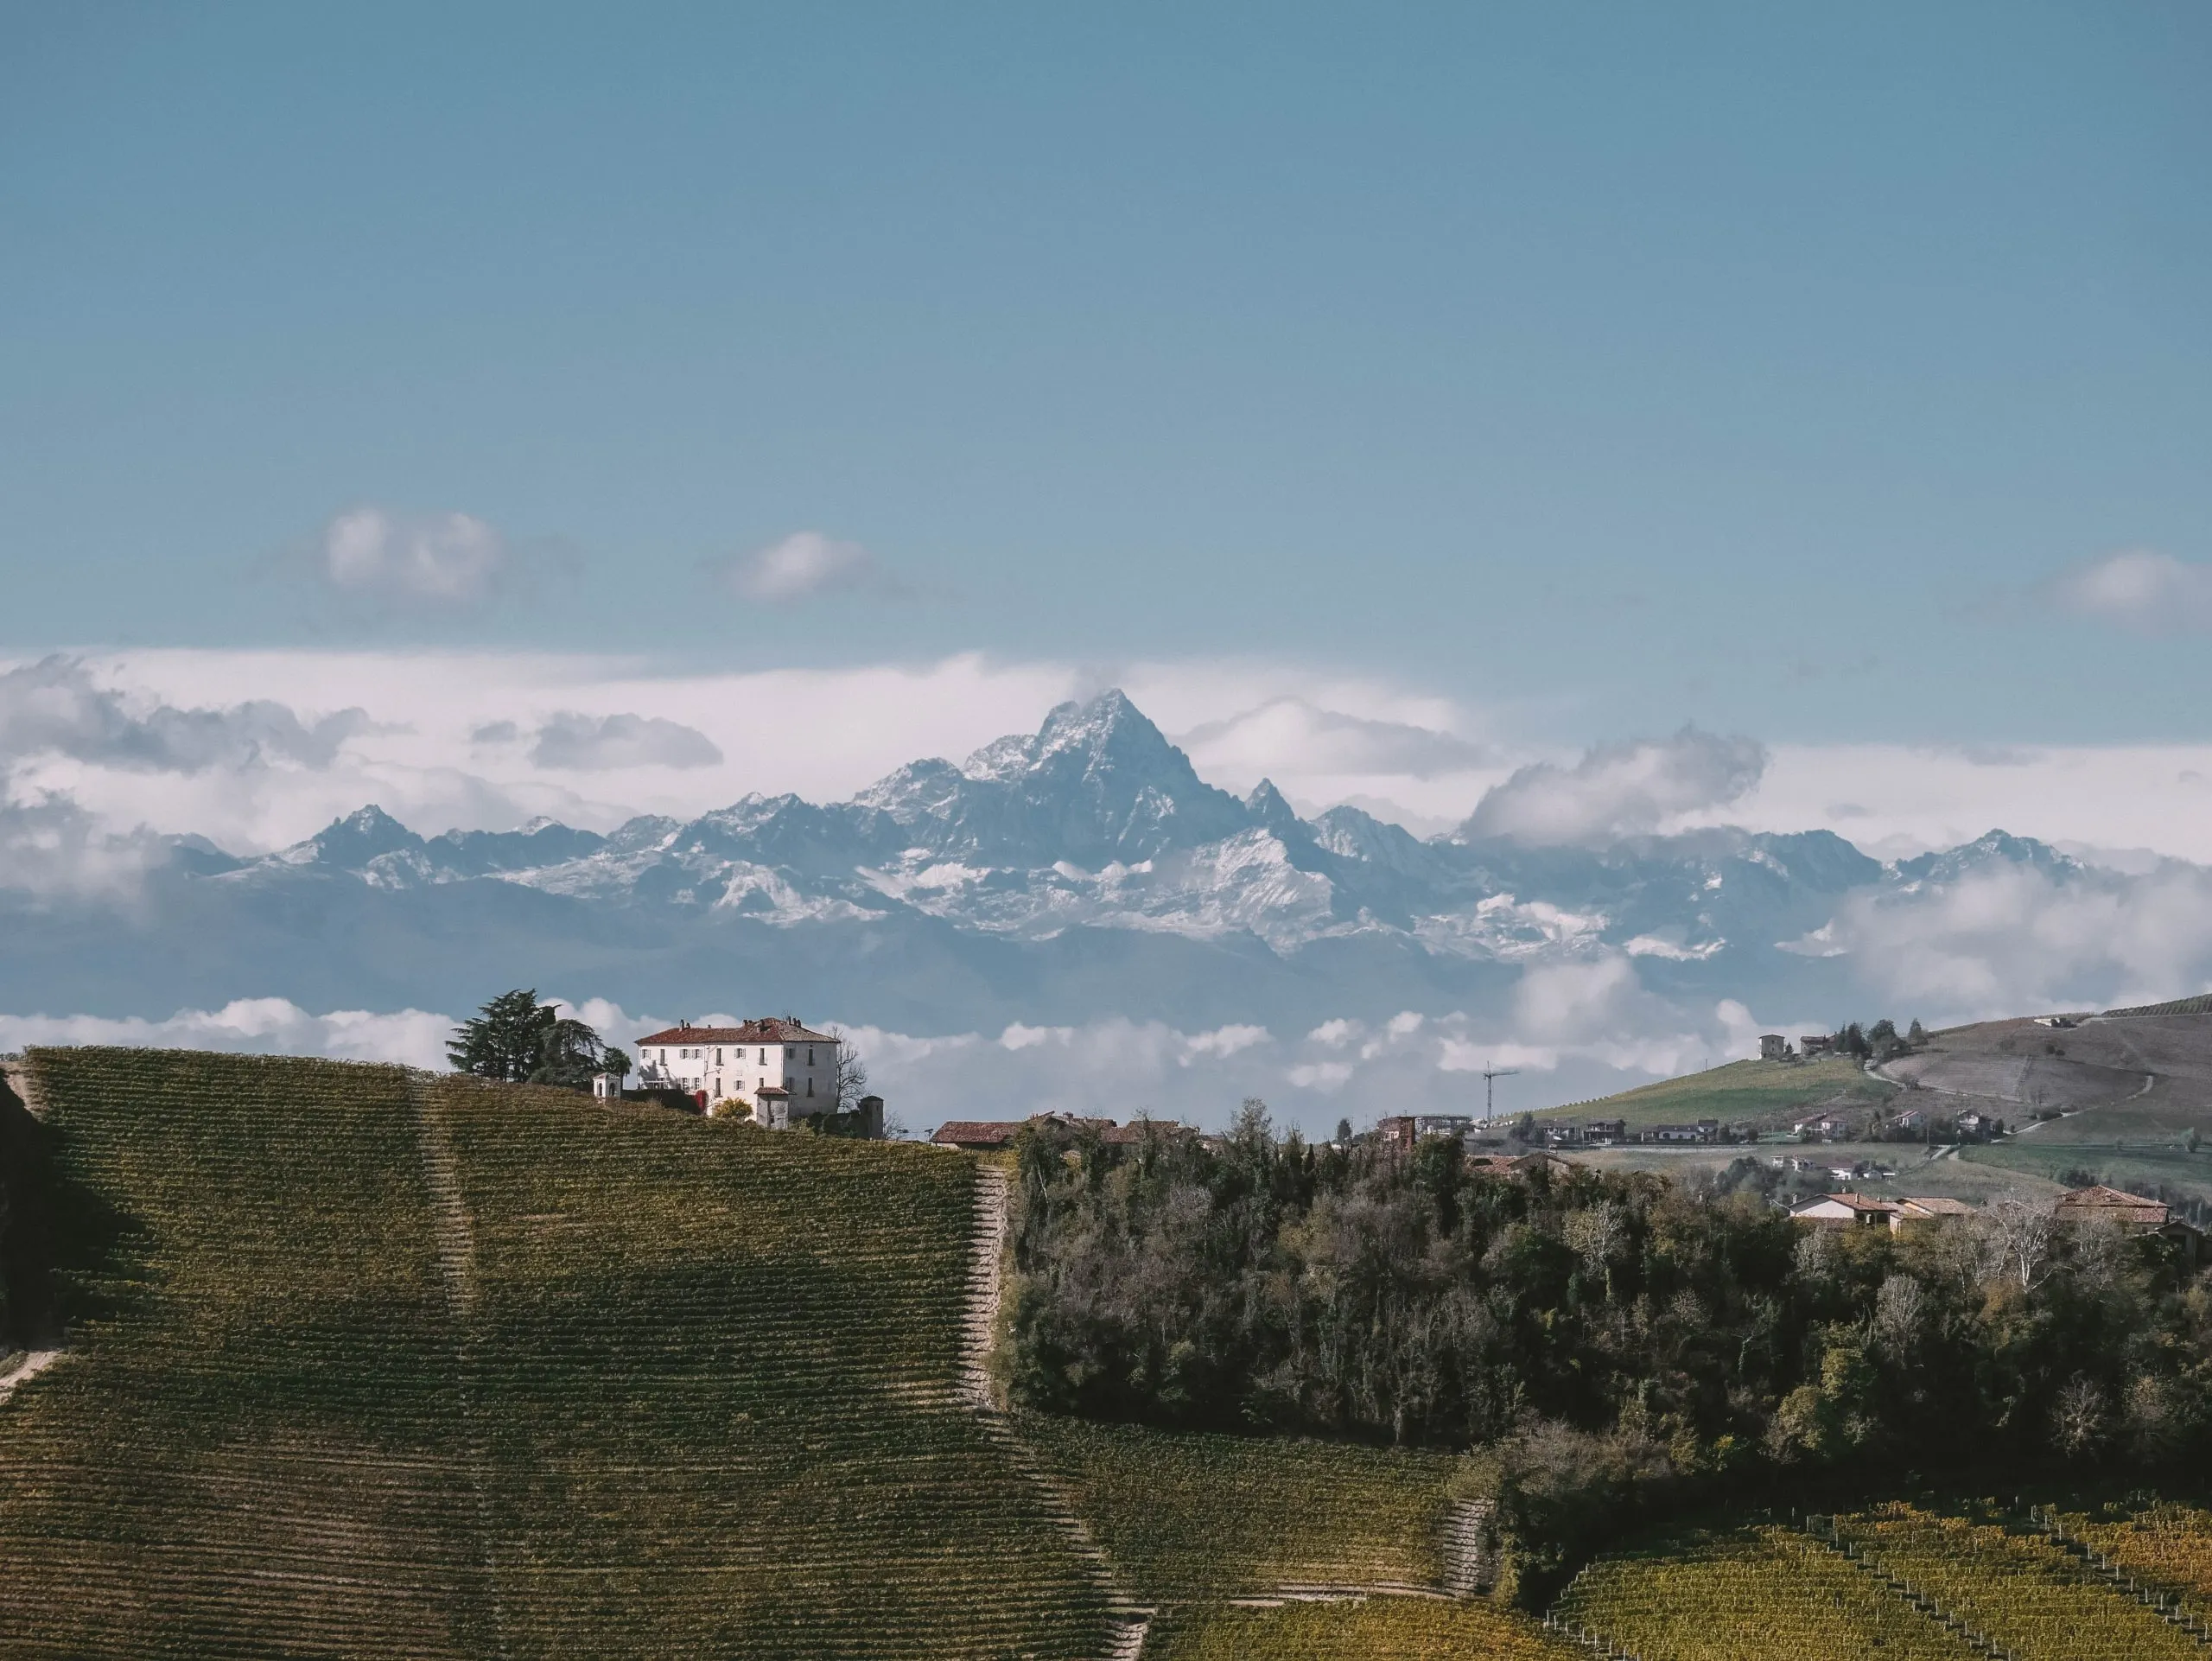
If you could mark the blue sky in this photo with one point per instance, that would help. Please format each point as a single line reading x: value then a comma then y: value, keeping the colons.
x: 1786, y: 369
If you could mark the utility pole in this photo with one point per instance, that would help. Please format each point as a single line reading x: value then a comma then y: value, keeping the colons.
x: 1490, y: 1075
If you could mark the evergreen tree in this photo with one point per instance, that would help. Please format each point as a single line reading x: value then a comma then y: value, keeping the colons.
x: 517, y: 1040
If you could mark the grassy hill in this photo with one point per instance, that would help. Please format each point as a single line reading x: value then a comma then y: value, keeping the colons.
x: 1776, y: 1091
x: 368, y: 1363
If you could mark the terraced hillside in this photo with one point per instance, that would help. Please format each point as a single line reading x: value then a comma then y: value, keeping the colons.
x: 367, y: 1364
x: 1276, y: 1547
x: 1897, y: 1579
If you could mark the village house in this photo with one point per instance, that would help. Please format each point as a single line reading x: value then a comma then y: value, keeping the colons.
x: 1863, y: 1211
x: 1825, y: 1126
x: 1703, y: 1131
x: 1773, y: 1046
x: 1845, y: 1211
x: 2129, y: 1210
x: 1604, y: 1133
x: 774, y: 1071
x: 989, y: 1136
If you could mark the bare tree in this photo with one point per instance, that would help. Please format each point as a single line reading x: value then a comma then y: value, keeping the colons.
x: 2014, y: 1235
x: 2077, y: 1417
x: 852, y: 1073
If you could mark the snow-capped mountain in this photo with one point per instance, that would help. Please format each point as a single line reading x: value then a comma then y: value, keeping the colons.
x: 1085, y: 868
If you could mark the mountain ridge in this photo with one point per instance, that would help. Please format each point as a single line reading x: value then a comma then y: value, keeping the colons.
x: 1082, y: 869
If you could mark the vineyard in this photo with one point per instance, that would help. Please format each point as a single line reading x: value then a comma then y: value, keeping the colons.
x: 363, y: 1363
x: 1372, y: 1629
x: 1193, y: 1516
x: 1754, y: 1594
x: 1898, y: 1580
x: 2016, y: 1588
x: 2159, y: 1543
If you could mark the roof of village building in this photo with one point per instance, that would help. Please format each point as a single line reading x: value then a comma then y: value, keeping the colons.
x: 1859, y: 1202
x: 2101, y: 1199
x: 978, y: 1133
x: 1935, y: 1205
x: 771, y: 1030
x: 996, y: 1133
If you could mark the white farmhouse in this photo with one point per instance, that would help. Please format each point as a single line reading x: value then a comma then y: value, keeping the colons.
x: 773, y: 1070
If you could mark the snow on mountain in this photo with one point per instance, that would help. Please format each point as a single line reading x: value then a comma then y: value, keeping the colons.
x: 1082, y: 869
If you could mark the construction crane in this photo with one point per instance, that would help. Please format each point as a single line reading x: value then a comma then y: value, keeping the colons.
x: 1490, y: 1102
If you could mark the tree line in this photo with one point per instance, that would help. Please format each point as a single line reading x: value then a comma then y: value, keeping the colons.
x: 1592, y: 1335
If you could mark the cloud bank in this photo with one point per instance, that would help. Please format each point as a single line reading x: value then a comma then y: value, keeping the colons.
x: 1619, y: 790
x: 597, y: 743
x: 54, y: 706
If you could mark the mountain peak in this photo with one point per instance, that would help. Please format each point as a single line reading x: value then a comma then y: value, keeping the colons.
x: 351, y: 841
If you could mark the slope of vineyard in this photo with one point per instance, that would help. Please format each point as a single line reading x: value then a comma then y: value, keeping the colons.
x: 1751, y: 1594
x: 2032, y: 1600
x: 364, y: 1363
x: 1371, y: 1629
x: 1192, y: 1519
x: 2161, y: 1543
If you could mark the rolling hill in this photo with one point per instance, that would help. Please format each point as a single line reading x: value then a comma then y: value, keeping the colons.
x: 363, y: 1361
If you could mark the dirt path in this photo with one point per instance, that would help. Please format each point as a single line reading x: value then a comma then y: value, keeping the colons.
x: 457, y: 1239
x: 1130, y: 1621
x: 30, y: 1366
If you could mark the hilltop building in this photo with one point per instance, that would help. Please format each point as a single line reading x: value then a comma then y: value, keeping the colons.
x: 774, y: 1070
x: 2129, y: 1210
x: 1864, y: 1211
x: 1773, y: 1046
x: 988, y: 1135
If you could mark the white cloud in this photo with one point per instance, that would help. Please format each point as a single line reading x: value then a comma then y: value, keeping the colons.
x: 436, y: 560
x: 2141, y: 589
x: 268, y: 1026
x: 803, y: 565
x: 1329, y: 742
x: 54, y: 706
x: 590, y: 743
x: 1222, y: 1042
x: 1619, y: 790
x: 49, y: 845
x: 2011, y: 940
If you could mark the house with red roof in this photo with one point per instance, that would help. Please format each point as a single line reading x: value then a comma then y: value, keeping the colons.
x: 775, y: 1071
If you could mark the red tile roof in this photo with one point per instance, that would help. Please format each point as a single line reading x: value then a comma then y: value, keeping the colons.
x: 771, y: 1030
x: 2112, y: 1199
x: 978, y: 1133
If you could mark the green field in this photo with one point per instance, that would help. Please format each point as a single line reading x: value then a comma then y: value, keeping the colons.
x: 657, y: 1386
x: 1770, y: 1091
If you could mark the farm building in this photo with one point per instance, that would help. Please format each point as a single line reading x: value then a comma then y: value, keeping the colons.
x: 988, y: 1135
x: 774, y: 1070
x: 1773, y: 1046
x: 2130, y: 1209
x: 1861, y: 1210
x: 1845, y: 1211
